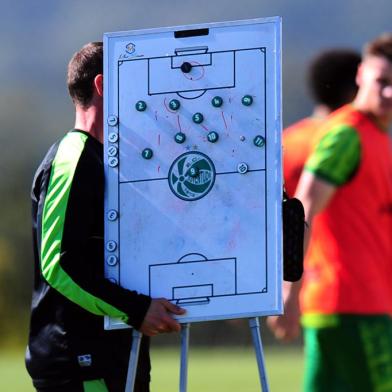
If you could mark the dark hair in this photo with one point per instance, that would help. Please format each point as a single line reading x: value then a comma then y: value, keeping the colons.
x: 332, y: 76
x: 381, y: 46
x: 82, y: 69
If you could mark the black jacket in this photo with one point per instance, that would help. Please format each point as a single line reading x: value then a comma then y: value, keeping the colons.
x: 70, y: 296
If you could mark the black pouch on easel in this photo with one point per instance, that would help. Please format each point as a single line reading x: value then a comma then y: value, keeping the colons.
x: 293, y: 238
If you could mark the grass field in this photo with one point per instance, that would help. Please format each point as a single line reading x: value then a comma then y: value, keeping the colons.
x: 210, y: 370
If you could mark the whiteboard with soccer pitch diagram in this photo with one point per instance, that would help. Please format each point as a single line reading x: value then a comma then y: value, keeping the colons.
x: 192, y: 152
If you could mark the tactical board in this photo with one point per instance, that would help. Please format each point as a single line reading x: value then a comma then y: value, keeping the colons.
x: 193, y: 166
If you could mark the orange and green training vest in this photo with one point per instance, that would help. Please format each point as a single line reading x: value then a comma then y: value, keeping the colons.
x: 348, y: 267
x: 297, y: 145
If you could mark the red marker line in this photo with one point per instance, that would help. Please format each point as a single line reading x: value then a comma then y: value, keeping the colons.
x: 224, y: 120
x: 167, y: 107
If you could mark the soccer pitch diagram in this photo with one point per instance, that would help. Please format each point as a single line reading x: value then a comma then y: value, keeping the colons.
x: 193, y: 173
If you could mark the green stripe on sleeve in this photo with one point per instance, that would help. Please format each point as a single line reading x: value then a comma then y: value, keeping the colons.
x: 337, y: 155
x: 53, y: 218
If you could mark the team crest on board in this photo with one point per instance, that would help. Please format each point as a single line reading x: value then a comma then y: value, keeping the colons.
x: 191, y: 176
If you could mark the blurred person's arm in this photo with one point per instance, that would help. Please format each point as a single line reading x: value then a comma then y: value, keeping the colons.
x: 315, y: 195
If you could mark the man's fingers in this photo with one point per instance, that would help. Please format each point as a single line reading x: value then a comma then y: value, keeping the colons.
x: 171, y: 324
x: 159, y: 318
x: 173, y: 308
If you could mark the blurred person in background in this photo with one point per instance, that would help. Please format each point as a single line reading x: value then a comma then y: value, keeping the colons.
x: 331, y: 81
x: 345, y: 295
x: 68, y: 349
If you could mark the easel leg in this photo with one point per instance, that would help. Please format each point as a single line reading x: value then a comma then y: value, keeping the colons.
x: 184, y: 356
x: 254, y: 325
x: 133, y: 360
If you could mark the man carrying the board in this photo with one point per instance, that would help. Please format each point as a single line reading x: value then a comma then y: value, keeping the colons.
x: 346, y: 190
x: 68, y: 349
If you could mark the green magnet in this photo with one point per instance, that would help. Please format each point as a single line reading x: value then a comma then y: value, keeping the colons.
x: 140, y: 106
x: 180, y: 137
x: 197, y: 118
x: 247, y: 100
x: 259, y: 141
x: 213, y: 136
x: 217, y: 102
x: 194, y: 171
x: 147, y: 153
x: 174, y: 104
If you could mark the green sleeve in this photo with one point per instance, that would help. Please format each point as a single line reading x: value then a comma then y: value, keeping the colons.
x: 70, y: 260
x: 336, y: 157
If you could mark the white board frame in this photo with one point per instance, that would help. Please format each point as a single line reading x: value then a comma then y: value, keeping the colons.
x: 273, y: 169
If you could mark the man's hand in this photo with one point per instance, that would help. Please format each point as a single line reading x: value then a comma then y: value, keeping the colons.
x: 287, y: 327
x: 158, y: 318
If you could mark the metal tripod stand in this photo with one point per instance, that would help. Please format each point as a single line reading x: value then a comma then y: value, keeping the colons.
x: 254, y: 325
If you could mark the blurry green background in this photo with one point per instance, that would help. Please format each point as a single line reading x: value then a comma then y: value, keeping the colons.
x: 210, y: 370
x: 37, y: 38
